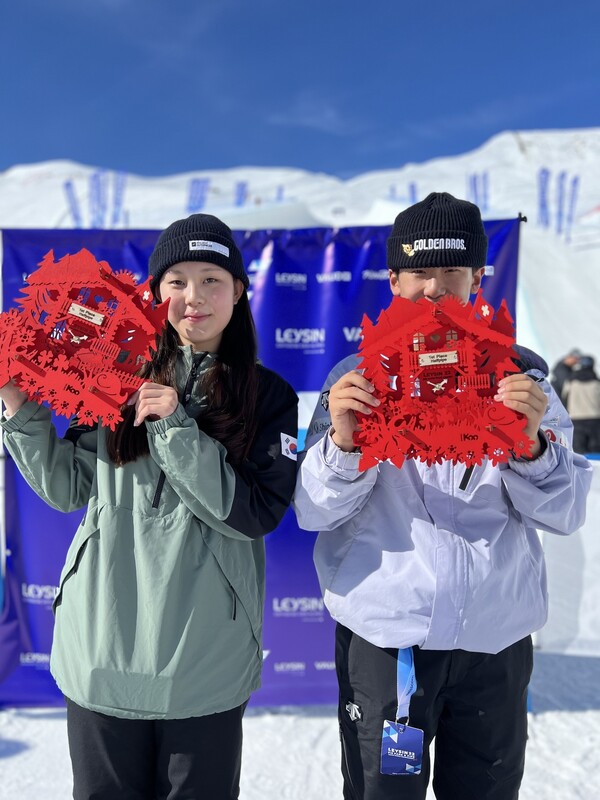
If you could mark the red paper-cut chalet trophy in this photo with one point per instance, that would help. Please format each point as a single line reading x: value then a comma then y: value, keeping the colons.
x: 435, y: 368
x: 81, y: 334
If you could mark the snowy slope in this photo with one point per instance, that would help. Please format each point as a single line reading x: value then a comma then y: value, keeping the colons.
x: 552, y: 177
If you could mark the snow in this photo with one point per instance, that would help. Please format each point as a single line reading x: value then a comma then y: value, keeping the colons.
x: 294, y: 752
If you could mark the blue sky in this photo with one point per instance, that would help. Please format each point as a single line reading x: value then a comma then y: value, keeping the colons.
x: 157, y: 87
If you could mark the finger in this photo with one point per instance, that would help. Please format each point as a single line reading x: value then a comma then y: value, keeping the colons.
x: 356, y: 401
x: 350, y: 405
x: 353, y: 379
x: 155, y: 390
x: 157, y: 408
x: 523, y: 407
x: 342, y: 397
x: 515, y: 384
x: 132, y: 400
x: 144, y: 409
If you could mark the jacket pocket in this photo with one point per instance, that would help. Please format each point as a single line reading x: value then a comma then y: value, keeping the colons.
x: 74, y: 557
x: 234, y: 602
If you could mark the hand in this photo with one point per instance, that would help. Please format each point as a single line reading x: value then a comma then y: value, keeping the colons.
x: 351, y: 393
x: 153, y: 401
x: 523, y: 394
x: 12, y: 397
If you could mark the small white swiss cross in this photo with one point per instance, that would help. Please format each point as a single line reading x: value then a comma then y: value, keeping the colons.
x: 485, y: 311
x: 147, y: 295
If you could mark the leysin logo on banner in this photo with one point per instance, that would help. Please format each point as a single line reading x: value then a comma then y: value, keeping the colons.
x: 310, y: 341
x: 38, y: 594
x: 305, y: 609
x: 39, y: 661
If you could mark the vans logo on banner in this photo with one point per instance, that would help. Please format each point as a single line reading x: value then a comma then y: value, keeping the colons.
x: 352, y: 334
x: 202, y: 244
x: 333, y: 277
x: 433, y: 244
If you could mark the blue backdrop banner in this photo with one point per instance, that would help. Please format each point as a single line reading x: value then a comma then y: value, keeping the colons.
x: 309, y: 291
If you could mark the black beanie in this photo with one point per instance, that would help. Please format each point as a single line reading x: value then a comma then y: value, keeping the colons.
x: 440, y: 231
x: 200, y: 237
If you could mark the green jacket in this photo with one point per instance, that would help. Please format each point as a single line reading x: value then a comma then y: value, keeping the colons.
x: 159, y: 610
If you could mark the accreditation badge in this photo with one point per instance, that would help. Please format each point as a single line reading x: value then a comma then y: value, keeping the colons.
x: 401, y: 749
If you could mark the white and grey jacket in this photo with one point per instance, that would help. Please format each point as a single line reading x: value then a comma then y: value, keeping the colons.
x: 438, y: 556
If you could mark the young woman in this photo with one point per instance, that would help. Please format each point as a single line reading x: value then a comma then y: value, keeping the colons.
x: 157, y: 643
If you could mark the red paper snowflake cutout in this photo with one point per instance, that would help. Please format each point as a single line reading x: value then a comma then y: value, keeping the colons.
x: 80, y: 336
x: 435, y: 368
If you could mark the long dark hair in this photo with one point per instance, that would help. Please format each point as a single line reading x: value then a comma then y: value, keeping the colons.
x: 230, y: 385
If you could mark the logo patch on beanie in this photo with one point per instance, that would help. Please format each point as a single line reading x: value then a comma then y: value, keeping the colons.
x: 203, y: 244
x: 434, y: 244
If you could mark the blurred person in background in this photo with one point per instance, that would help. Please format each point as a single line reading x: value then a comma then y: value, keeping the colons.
x: 563, y: 369
x: 581, y: 396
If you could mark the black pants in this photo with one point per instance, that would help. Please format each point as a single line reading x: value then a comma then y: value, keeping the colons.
x: 586, y: 435
x: 473, y: 704
x: 128, y: 759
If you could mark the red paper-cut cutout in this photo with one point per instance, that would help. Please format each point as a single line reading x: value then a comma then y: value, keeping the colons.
x: 435, y: 368
x: 81, y: 333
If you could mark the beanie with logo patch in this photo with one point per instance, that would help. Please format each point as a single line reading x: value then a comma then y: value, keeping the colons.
x: 439, y: 231
x: 200, y: 237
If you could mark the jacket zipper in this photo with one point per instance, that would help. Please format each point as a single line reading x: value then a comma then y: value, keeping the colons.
x: 466, y: 478
x: 234, y: 595
x: 196, y: 362
x: 159, y: 488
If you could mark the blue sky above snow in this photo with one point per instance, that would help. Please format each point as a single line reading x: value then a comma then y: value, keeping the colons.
x: 339, y: 86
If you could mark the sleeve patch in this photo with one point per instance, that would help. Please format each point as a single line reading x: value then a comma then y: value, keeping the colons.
x: 289, y: 446
x: 554, y: 435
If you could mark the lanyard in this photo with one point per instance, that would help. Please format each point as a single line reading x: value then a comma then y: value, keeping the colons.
x: 406, y: 681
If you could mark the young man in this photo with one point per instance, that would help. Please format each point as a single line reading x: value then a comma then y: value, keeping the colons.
x: 439, y: 562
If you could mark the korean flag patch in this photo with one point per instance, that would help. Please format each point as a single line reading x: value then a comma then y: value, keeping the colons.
x: 289, y: 446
